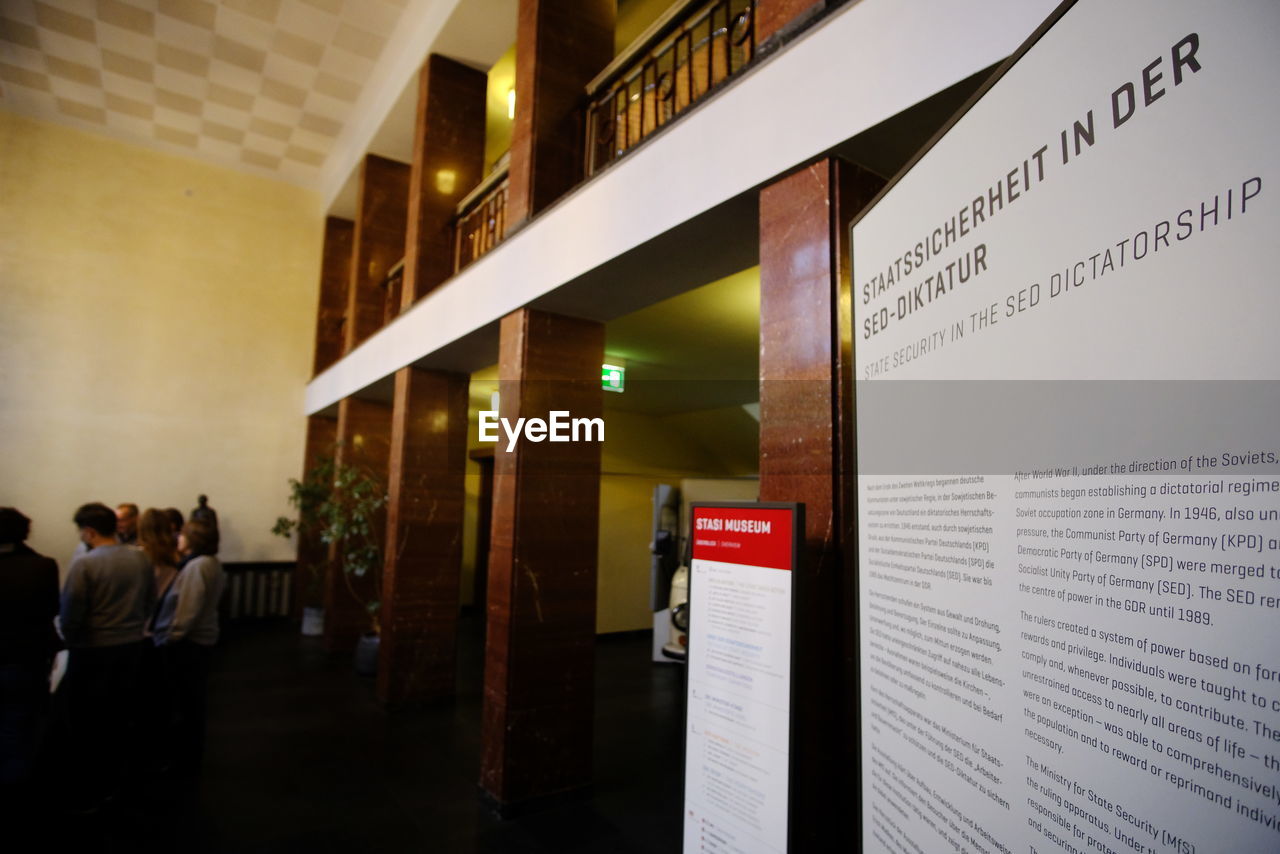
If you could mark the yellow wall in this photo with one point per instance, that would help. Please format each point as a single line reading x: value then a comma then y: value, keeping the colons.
x: 640, y: 452
x: 730, y: 435
x: 497, y: 124
x: 156, y: 332
x: 633, y: 17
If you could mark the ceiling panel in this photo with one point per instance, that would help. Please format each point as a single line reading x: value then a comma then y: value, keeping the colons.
x: 261, y: 85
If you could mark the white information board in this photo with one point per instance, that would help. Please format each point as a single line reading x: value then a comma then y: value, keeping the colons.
x: 1067, y: 357
x: 738, y: 719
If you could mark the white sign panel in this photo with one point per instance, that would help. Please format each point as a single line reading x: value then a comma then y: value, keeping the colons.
x: 1069, y: 453
x: 738, y: 725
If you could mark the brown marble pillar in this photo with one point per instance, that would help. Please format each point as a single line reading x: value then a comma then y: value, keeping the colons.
x: 421, y: 575
x: 335, y: 277
x: 560, y: 46
x: 313, y: 555
x: 806, y: 443
x: 536, y: 726
x: 382, y: 213
x: 364, y: 441
x: 448, y: 161
x: 777, y: 16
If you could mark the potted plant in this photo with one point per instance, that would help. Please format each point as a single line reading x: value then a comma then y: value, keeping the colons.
x: 339, y: 507
x: 308, y: 496
x: 353, y: 522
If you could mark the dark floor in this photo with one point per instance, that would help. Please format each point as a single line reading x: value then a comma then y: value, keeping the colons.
x: 301, y: 758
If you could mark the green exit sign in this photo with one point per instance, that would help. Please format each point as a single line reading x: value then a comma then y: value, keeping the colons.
x: 613, y: 377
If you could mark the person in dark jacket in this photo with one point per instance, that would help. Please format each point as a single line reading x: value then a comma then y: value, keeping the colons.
x: 28, y: 604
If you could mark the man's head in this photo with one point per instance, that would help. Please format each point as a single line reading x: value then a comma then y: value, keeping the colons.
x: 14, y: 527
x: 127, y: 519
x: 96, y: 521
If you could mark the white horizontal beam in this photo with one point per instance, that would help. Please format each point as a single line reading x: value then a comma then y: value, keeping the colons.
x: 868, y: 61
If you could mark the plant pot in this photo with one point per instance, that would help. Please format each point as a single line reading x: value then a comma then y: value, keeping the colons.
x: 367, y: 655
x: 312, y: 622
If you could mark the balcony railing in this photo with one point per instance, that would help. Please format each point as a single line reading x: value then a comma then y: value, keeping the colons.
x: 679, y: 59
x: 257, y: 590
x: 481, y: 219
x: 392, y: 286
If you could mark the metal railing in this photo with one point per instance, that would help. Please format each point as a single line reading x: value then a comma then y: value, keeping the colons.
x: 257, y: 590
x: 685, y: 53
x: 481, y: 220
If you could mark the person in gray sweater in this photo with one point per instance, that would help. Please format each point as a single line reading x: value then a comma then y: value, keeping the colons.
x: 186, y: 629
x: 106, y: 601
x: 110, y: 589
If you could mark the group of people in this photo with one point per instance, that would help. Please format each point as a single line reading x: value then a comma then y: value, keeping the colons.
x: 138, y: 616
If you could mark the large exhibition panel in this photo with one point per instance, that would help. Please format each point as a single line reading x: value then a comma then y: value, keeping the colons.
x: 1068, y: 494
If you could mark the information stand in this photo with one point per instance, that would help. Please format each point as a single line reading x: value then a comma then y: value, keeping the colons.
x: 738, y: 703
x: 1069, y: 467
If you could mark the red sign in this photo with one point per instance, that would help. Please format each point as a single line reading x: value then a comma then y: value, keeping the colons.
x: 753, y: 536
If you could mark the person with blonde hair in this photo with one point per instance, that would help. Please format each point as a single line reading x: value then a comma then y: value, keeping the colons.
x: 157, y: 538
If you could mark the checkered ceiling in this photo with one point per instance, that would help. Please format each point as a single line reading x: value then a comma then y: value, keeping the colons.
x: 262, y: 85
